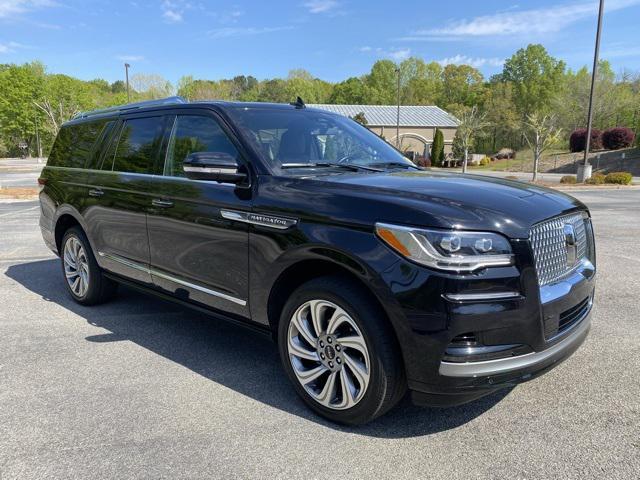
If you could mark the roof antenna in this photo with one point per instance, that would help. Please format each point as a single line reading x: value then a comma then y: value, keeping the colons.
x: 299, y: 103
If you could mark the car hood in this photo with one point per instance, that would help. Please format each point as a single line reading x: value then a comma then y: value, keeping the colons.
x: 430, y: 198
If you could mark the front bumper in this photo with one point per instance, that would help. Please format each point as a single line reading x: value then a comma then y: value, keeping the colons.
x: 503, y: 307
x: 526, y: 364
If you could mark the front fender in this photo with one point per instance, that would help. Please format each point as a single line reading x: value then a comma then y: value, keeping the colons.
x: 358, y: 251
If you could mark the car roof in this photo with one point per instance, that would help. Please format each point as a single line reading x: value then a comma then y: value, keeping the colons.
x: 173, y: 103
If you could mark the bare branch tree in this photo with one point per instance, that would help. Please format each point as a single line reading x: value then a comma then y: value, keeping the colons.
x: 58, y: 113
x: 472, y: 125
x: 540, y: 133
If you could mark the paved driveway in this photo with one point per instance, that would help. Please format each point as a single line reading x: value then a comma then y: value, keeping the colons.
x: 146, y: 389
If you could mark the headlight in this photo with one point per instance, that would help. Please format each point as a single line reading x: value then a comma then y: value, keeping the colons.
x: 448, y: 249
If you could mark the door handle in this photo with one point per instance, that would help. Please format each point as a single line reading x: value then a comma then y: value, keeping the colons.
x: 96, y: 192
x: 157, y: 202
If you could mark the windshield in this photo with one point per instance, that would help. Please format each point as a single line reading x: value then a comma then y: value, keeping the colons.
x: 297, y: 138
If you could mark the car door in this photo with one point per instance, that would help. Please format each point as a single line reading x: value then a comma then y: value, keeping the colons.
x: 120, y: 194
x: 195, y: 253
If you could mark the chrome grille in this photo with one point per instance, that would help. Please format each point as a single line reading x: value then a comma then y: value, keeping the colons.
x: 550, y: 248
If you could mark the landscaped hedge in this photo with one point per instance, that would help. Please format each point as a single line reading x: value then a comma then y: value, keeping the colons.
x: 578, y: 137
x: 596, y: 179
x: 618, y: 137
x: 570, y: 179
x: 620, y: 178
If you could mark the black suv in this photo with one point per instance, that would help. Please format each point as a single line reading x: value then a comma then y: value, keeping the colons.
x: 373, y: 276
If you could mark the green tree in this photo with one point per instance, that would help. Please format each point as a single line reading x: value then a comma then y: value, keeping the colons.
x: 62, y: 98
x: 118, y: 87
x: 437, y: 148
x: 351, y: 91
x: 423, y: 83
x: 536, y: 77
x: 382, y: 83
x: 20, y: 87
x: 502, y: 116
x: 462, y: 86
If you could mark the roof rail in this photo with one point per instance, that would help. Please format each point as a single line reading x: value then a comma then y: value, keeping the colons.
x: 131, y: 106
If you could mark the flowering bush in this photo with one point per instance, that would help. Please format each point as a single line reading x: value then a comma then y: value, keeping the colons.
x: 577, y: 140
x: 618, y: 137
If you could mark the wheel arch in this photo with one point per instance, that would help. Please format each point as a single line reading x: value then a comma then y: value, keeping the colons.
x: 308, y: 269
x: 67, y: 217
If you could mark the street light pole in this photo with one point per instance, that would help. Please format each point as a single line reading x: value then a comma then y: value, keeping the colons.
x: 398, y: 112
x: 126, y: 73
x: 584, y: 170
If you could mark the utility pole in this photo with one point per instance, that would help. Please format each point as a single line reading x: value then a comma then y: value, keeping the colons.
x: 584, y: 170
x: 126, y: 73
x: 398, y: 112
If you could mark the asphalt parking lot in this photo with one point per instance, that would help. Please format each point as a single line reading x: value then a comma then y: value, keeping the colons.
x: 141, y: 388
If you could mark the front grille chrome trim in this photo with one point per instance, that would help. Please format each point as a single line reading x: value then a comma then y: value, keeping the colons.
x: 556, y: 255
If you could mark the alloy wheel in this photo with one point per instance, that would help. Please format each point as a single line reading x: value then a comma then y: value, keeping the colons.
x: 328, y: 354
x: 76, y: 266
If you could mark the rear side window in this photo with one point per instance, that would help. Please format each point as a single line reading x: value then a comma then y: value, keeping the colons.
x: 138, y: 144
x: 75, y: 145
x: 194, y: 133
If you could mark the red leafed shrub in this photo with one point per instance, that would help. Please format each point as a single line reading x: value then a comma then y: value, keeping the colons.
x: 578, y: 138
x: 618, y: 137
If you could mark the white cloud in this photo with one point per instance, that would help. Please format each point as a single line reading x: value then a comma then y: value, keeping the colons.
x: 9, y: 8
x: 130, y: 58
x: 228, y: 32
x: 397, y: 54
x: 474, y: 62
x: 173, y: 11
x: 321, y: 6
x: 521, y: 22
x: 10, y: 47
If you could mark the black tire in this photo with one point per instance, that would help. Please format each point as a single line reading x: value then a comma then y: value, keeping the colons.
x: 100, y: 288
x: 387, y: 383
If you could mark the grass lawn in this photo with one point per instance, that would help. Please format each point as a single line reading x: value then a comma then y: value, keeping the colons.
x: 524, y: 161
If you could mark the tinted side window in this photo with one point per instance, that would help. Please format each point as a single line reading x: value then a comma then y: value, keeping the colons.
x: 195, y: 133
x: 139, y: 141
x: 75, y: 144
x: 61, y: 151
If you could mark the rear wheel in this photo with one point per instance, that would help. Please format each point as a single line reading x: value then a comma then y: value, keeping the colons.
x: 84, y: 279
x: 340, y: 352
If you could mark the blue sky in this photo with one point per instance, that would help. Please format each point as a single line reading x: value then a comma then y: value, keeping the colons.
x: 333, y: 39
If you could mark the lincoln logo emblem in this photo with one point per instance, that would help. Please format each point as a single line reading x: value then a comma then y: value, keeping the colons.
x: 570, y: 241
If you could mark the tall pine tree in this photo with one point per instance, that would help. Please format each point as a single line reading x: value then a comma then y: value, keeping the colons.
x: 437, y: 148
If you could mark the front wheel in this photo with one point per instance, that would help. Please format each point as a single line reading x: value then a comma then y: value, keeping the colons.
x: 340, y: 352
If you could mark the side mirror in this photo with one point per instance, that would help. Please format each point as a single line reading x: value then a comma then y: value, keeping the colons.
x: 213, y: 166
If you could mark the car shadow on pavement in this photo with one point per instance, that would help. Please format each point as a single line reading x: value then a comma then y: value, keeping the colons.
x: 235, y: 357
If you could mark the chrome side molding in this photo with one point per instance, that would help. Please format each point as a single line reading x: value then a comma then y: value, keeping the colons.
x: 271, y: 221
x: 179, y: 281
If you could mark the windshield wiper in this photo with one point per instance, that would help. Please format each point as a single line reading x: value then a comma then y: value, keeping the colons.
x: 350, y: 166
x: 406, y: 166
